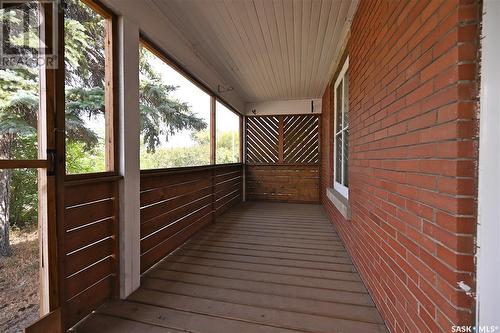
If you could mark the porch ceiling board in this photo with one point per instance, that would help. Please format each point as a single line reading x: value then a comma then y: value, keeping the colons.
x: 266, y: 50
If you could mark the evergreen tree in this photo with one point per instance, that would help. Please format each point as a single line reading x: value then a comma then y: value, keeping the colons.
x: 160, y: 114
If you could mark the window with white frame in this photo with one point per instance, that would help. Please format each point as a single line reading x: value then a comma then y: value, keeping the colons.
x: 341, y: 132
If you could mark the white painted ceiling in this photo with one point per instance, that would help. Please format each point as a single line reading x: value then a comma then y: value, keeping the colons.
x: 265, y: 49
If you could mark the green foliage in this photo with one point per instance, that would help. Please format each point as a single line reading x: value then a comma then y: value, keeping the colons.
x: 161, y: 115
x: 198, y: 153
x: 228, y: 147
x: 24, y: 191
x: 79, y: 159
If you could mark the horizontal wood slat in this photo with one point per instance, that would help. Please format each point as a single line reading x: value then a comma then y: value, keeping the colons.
x: 89, y: 300
x: 89, y: 246
x: 176, y: 203
x: 282, y: 183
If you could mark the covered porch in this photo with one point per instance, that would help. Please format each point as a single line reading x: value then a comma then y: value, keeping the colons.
x: 262, y: 166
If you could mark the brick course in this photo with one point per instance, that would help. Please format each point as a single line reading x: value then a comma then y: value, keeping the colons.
x: 413, y: 158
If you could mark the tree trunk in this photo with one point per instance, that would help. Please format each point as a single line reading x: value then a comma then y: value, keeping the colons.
x: 4, y: 212
x: 5, y: 177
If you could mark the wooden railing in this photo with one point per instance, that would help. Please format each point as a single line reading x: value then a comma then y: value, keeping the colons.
x: 175, y: 203
x: 89, y: 246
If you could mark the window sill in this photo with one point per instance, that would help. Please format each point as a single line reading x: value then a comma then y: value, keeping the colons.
x: 340, y: 202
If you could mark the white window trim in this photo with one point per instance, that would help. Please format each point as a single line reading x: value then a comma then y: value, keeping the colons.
x: 488, y: 230
x: 340, y: 188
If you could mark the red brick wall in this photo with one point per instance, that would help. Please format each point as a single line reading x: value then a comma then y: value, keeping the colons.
x: 413, y: 153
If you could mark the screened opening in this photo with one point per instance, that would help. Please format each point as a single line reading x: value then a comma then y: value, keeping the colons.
x: 174, y: 116
x: 19, y: 249
x: 20, y: 88
x: 88, y: 102
x: 19, y: 117
x: 227, y: 126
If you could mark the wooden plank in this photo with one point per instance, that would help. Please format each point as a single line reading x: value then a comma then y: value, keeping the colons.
x: 327, y: 239
x: 21, y: 164
x: 267, y: 268
x: 161, y: 235
x: 227, y: 187
x: 223, y: 206
x: 98, y: 322
x: 81, y: 305
x: 219, y: 178
x: 154, y: 255
x: 261, y: 315
x: 281, y: 140
x: 86, y: 193
x: 278, y: 302
x: 271, y: 229
x: 163, y: 207
x: 270, y: 241
x: 171, y: 191
x: 262, y: 260
x: 91, y: 233
x: 86, y: 278
x: 211, y: 248
x: 289, y: 184
x: 238, y: 280
x: 281, y: 278
x: 51, y: 322
x: 223, y: 198
x: 167, y: 178
x: 153, y: 225
x: 188, y: 321
x: 270, y: 249
x: 87, y: 256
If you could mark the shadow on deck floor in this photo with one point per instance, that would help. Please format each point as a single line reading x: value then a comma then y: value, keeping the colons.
x: 262, y: 267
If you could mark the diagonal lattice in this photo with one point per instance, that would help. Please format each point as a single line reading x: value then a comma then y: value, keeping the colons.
x: 292, y: 139
x: 262, y: 138
x: 301, y: 139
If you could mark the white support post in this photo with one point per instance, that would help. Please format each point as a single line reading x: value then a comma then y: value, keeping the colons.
x: 129, y: 157
x: 488, y: 270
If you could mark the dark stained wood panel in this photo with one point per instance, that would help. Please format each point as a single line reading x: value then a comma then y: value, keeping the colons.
x: 262, y: 267
x: 90, y: 246
x: 286, y: 183
x: 178, y: 202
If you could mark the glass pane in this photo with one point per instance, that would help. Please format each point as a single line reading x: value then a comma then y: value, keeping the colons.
x: 19, y: 86
x: 346, y: 157
x: 227, y: 140
x: 19, y: 249
x: 175, y: 117
x: 338, y: 114
x: 338, y: 158
x: 346, y: 99
x: 84, y: 33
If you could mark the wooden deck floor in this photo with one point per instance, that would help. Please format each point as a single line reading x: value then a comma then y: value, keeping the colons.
x: 263, y: 267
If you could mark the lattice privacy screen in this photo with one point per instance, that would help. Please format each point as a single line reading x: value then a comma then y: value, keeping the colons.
x: 292, y: 139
